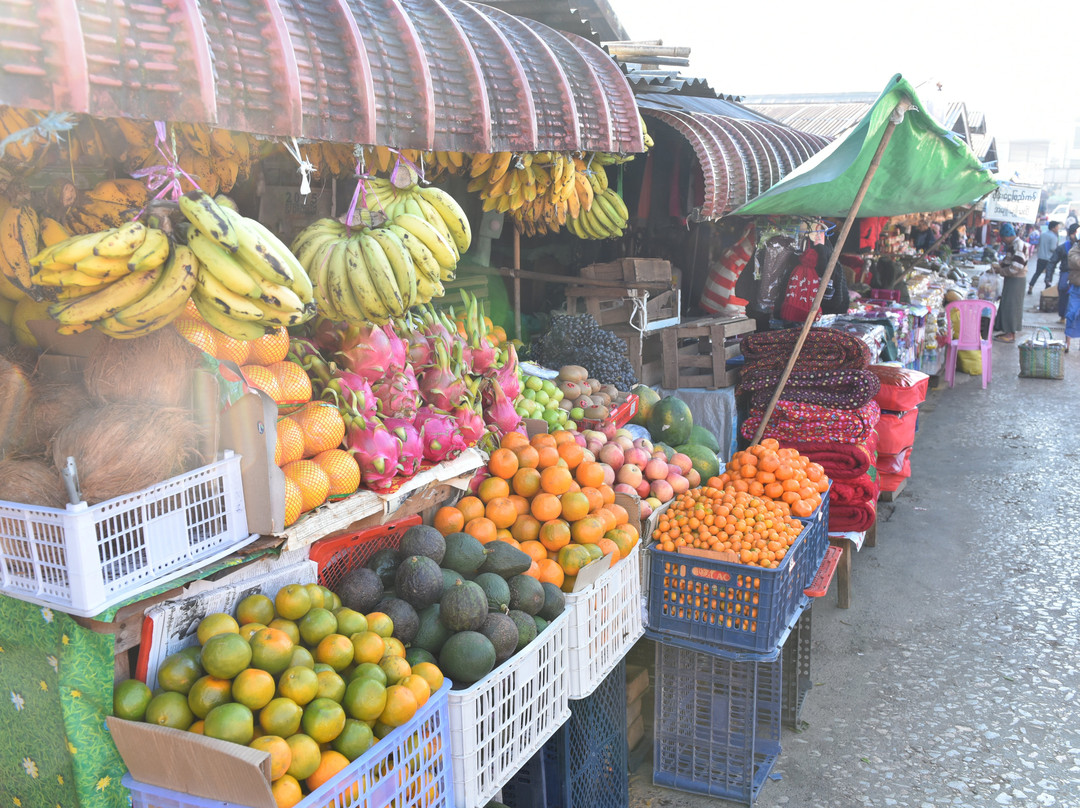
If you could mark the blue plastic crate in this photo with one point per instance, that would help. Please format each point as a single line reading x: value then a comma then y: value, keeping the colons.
x: 585, y: 764
x: 723, y: 607
x: 796, y: 668
x: 716, y: 729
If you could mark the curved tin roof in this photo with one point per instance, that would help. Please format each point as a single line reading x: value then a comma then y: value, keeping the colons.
x: 422, y: 74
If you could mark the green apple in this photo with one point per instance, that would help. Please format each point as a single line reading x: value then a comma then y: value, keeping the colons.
x: 543, y: 397
x: 534, y: 383
x: 570, y: 425
x: 528, y: 394
x: 549, y: 387
x: 577, y: 413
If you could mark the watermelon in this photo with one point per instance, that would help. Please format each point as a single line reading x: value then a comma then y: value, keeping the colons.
x: 670, y: 421
x: 703, y: 437
x: 647, y: 399
x: 702, y: 458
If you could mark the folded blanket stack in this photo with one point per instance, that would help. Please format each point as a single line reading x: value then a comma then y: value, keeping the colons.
x: 900, y: 394
x: 827, y: 411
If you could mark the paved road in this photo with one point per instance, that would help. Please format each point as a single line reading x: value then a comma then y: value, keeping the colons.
x: 953, y: 679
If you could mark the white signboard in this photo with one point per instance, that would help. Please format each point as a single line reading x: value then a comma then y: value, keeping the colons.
x: 1014, y: 203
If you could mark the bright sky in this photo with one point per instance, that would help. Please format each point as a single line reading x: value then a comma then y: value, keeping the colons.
x: 995, y: 56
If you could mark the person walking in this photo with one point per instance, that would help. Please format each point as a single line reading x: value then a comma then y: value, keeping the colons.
x: 1061, y: 262
x: 1013, y: 267
x: 1072, y: 312
x: 1048, y: 241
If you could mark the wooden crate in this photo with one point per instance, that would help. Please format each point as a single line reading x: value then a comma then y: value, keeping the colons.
x: 475, y: 284
x: 695, y: 353
x: 611, y: 307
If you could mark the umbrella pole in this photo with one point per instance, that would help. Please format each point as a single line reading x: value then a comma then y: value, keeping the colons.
x: 895, y: 118
x: 517, y: 283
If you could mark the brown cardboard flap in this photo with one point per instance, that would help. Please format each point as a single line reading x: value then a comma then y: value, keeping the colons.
x: 194, y: 764
x: 249, y: 428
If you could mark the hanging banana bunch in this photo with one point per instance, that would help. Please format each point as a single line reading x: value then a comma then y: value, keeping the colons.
x: 606, y: 216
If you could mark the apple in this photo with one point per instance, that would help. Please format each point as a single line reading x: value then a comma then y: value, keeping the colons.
x: 623, y: 488
x: 587, y: 455
x: 662, y: 490
x: 612, y: 455
x: 629, y: 474
x: 609, y: 475
x: 678, y: 483
x: 608, y: 429
x: 654, y: 503
x: 646, y: 509
x: 694, y: 478
x: 644, y: 443
x: 682, y: 461
x: 595, y: 434
x: 656, y: 469
x: 580, y: 440
x: 643, y: 488
x: 636, y: 456
x: 594, y: 446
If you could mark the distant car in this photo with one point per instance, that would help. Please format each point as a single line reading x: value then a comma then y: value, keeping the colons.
x: 1061, y: 212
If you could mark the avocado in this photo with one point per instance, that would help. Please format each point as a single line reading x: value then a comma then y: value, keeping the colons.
x: 450, y: 577
x: 419, y: 581
x: 463, y: 607
x: 503, y: 633
x: 505, y: 560
x: 554, y: 602
x: 526, y: 594
x: 464, y: 554
x: 406, y: 621
x: 360, y: 590
x: 541, y: 624
x: 423, y: 540
x: 431, y: 633
x: 385, y: 563
x: 414, y: 656
x: 467, y: 657
x: 526, y: 627
x: 496, y: 589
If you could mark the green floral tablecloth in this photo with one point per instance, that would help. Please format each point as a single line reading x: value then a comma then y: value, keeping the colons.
x: 55, y: 692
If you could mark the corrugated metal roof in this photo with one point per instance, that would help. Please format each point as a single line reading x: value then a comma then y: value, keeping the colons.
x: 827, y: 119
x: 423, y: 74
x: 685, y: 103
x: 594, y: 20
x: 671, y: 81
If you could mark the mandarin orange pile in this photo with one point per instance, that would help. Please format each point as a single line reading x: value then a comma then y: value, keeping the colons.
x: 769, y: 472
x: 547, y: 499
x: 757, y: 530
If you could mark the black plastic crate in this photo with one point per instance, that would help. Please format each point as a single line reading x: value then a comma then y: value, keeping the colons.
x: 717, y: 723
x: 796, y: 670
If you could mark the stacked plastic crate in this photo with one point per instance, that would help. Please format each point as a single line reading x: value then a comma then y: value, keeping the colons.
x: 902, y: 391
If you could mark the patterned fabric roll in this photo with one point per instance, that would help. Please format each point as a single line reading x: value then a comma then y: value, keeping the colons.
x: 824, y: 349
x: 793, y: 421
x: 839, y: 389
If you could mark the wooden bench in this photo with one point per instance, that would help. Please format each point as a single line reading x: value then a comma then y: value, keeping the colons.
x: 849, y: 544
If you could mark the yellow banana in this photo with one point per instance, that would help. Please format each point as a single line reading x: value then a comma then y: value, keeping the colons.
x: 229, y: 302
x: 428, y: 289
x: 117, y: 329
x: 382, y: 275
x: 108, y: 301
x: 121, y: 194
x: 201, y: 210
x: 174, y: 287
x: 423, y: 260
x: 244, y: 330
x: 441, y: 249
x: 19, y: 241
x: 283, y: 266
x: 339, y: 285
x: 319, y: 273
x: 64, y: 278
x: 401, y: 263
x: 223, y: 265
x: 70, y: 250
x: 197, y: 137
x: 499, y: 164
x: 362, y: 285
x: 457, y: 223
x: 314, y: 230
x: 103, y: 267
x: 123, y: 242
x: 9, y: 292
x: 436, y: 220
x: 52, y: 232
x: 153, y: 252
x: 278, y: 296
x: 480, y: 164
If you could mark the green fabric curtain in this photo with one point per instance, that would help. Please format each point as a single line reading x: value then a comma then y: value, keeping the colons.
x: 924, y: 168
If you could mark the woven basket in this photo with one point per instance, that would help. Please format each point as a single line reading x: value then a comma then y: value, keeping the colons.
x: 1041, y: 357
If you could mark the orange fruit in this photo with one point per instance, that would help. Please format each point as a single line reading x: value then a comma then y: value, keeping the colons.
x: 621, y: 515
x: 520, y: 504
x: 607, y: 518
x: 563, y: 436
x: 368, y: 647
x: 471, y: 508
x: 255, y: 609
x: 313, y: 481
x: 323, y: 720
x: 533, y: 571
x: 492, y: 488
x: 555, y: 534
x: 207, y: 693
x: 449, y: 519
x: 589, y: 473
x: 503, y: 463
x: 394, y: 647
x: 225, y: 655
x: 299, y: 684
x: 526, y: 528
x: 622, y: 540
x: 286, y: 790
x: 381, y: 624
x: 556, y: 480
x: 571, y: 453
x: 292, y: 601
x: 254, y: 688
x: 230, y: 722
x: 419, y: 686
x: 232, y: 350
x: 322, y: 425
x: 263, y: 379
x: 294, y: 383
x: 199, y: 334
x: 548, y: 456
x: 395, y: 668
x: 271, y: 650
x: 335, y: 650
x: 294, y: 502
x: 289, y: 444
x: 528, y: 457
x: 534, y: 549
x: 608, y: 547
x: 550, y: 571
x: 587, y: 531
x: 543, y: 440
x: 572, y: 558
x: 546, y: 507
x: 512, y: 440
x: 575, y: 505
x: 330, y: 763
x: 596, y: 499
x: 365, y: 699
x: 607, y: 493
x: 526, y: 482
x: 273, y: 347
x: 292, y: 631
x: 501, y: 511
x: 343, y: 471
x: 214, y: 624
x: 280, y: 754
x: 400, y: 706
x: 504, y: 535
x: 431, y: 673
x: 481, y: 528
x: 305, y: 755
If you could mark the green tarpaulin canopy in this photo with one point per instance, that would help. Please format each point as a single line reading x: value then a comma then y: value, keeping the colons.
x: 924, y: 168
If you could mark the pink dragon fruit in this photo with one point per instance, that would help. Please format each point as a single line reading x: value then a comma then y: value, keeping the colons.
x: 507, y: 377
x: 398, y: 394
x: 350, y: 392
x: 376, y: 450
x: 470, y: 423
x: 440, y: 386
x: 501, y: 414
x: 399, y: 350
x: 412, y: 444
x: 442, y: 439
x: 328, y: 335
x: 367, y: 350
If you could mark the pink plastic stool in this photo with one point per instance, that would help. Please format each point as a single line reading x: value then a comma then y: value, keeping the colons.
x: 970, y: 338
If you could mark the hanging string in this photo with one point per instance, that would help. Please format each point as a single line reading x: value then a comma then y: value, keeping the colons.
x: 164, y: 180
x: 47, y: 128
x: 305, y: 168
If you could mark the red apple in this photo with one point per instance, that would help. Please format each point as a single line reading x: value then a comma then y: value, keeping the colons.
x: 662, y: 490
x: 629, y: 474
x: 623, y: 488
x: 644, y: 443
x: 678, y: 483
x: 694, y: 478
x: 656, y: 469
x: 646, y: 509
x: 609, y: 474
x: 580, y: 439
x: 613, y: 455
x: 682, y: 461
x: 624, y: 442
x: 643, y: 488
x: 637, y: 456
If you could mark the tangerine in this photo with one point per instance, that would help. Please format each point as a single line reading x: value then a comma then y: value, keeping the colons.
x: 526, y: 482
x: 305, y: 755
x: 491, y: 488
x: 448, y: 519
x: 400, y: 707
x: 281, y: 716
x: 503, y: 463
x: 254, y: 688
x: 330, y: 763
x: 280, y: 754
x: 230, y: 722
x: 471, y: 508
x: 501, y: 511
x: 546, y: 506
x: 271, y: 650
x: 323, y: 720
x: 528, y: 457
x: 555, y: 534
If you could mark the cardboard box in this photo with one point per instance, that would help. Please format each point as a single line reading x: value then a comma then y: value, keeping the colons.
x: 249, y: 428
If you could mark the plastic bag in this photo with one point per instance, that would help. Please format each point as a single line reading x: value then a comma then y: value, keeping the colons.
x: 775, y: 258
x: 989, y: 286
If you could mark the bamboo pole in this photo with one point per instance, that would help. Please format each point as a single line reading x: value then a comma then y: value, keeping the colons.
x: 895, y: 118
x: 517, y: 283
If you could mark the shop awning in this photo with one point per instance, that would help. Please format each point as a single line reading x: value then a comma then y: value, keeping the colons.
x: 420, y: 74
x: 740, y: 157
x: 925, y: 167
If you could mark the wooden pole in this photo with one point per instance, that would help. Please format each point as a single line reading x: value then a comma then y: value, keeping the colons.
x: 517, y: 283
x: 895, y: 119
x: 959, y: 222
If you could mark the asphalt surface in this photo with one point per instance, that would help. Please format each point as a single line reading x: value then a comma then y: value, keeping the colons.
x: 953, y: 678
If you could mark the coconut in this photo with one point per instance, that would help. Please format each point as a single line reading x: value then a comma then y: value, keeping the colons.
x: 52, y: 404
x: 155, y: 369
x: 32, y: 482
x: 121, y: 448
x: 15, y: 399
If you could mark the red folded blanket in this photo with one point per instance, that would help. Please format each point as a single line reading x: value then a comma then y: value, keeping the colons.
x: 846, y: 492
x: 824, y: 349
x: 841, y: 461
x: 856, y: 516
x: 839, y: 389
x: 794, y: 421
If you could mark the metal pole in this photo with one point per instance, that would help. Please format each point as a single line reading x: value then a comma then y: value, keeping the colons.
x: 517, y: 283
x: 895, y: 119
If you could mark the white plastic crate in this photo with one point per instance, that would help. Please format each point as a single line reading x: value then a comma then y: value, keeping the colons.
x: 605, y: 621
x: 84, y: 558
x: 500, y: 722
x: 409, y: 768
